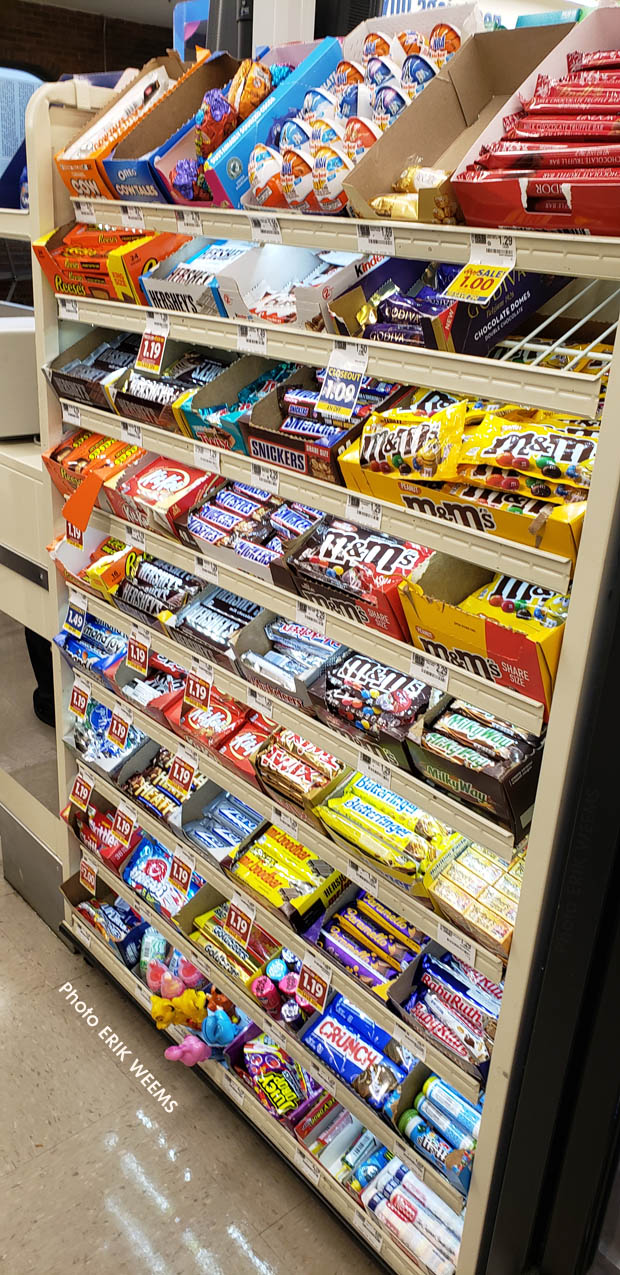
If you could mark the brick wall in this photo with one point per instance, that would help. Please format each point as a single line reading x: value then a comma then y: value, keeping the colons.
x: 49, y: 41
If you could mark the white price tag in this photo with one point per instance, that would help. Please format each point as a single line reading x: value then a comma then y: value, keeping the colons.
x: 207, y: 571
x: 67, y: 308
x: 256, y: 699
x: 369, y: 1230
x: 368, y: 512
x: 265, y: 476
x: 132, y: 217
x: 350, y: 354
x: 307, y: 1165
x: 134, y: 536
x: 285, y: 820
x: 411, y: 1040
x: 376, y: 238
x: 312, y: 617
x: 362, y: 876
x: 489, y: 249
x: 76, y: 613
x: 207, y: 458
x: 325, y: 1077
x: 429, y: 670
x: 82, y: 933
x: 142, y: 993
x: 84, y: 211
x: 456, y: 943
x: 131, y: 432
x: 277, y: 1033
x: 233, y: 1088
x: 71, y: 415
x: 188, y: 221
x: 251, y: 340
x: 375, y: 767
x: 265, y: 229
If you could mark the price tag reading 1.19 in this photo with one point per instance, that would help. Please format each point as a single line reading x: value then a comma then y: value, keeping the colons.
x: 153, y: 343
x: 124, y: 823
x: 198, y: 685
x: 240, y: 918
x: 74, y: 536
x: 118, y: 726
x: 81, y: 791
x: 181, y: 868
x: 183, y: 767
x: 80, y: 695
x: 138, y: 648
x: 314, y: 981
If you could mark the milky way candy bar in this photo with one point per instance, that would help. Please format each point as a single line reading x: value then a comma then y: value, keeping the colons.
x: 489, y: 740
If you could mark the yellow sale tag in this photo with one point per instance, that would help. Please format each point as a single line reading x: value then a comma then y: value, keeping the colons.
x: 476, y: 282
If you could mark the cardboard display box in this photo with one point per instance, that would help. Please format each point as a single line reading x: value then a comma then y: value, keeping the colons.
x: 594, y: 204
x: 130, y: 170
x: 194, y: 409
x: 146, y: 410
x: 66, y: 385
x: 449, y: 116
x: 69, y: 560
x: 509, y: 798
x: 254, y: 638
x: 551, y: 528
x: 118, y: 272
x: 502, y: 655
x: 241, y: 282
x: 466, y: 329
x: 127, y: 949
x: 117, y: 769
x: 226, y: 169
x: 201, y: 296
x: 264, y: 442
x: 398, y: 995
x: 302, y: 911
x: 119, y: 675
x: 86, y: 177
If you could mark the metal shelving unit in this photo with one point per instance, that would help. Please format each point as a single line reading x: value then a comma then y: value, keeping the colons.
x: 56, y: 112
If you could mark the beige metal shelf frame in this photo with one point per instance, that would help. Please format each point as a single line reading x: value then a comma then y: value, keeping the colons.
x: 54, y: 114
x: 574, y: 255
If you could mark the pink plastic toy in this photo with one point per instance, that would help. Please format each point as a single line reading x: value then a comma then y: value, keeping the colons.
x: 192, y: 1050
x: 171, y: 985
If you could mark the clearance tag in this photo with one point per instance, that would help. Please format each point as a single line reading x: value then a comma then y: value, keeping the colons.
x: 343, y: 380
x: 491, y: 258
x: 153, y: 343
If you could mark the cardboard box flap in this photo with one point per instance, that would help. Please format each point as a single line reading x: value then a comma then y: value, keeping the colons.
x: 449, y: 580
x: 171, y: 63
x: 177, y: 107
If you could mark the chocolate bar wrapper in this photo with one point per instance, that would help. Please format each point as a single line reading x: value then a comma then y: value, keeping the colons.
x: 354, y: 1059
x: 386, y: 947
x: 527, y: 155
x: 583, y: 127
x: 397, y: 925
x: 368, y: 968
x: 398, y: 808
x: 489, y: 740
x: 366, y: 1027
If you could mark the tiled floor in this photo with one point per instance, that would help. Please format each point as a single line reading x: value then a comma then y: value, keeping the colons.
x: 95, y: 1175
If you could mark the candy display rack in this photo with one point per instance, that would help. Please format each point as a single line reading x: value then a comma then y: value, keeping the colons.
x: 54, y: 114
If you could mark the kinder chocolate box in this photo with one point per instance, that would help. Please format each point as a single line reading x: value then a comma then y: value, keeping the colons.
x: 448, y: 116
x: 130, y: 169
x: 589, y: 199
x: 494, y: 651
x: 226, y: 169
x: 80, y: 163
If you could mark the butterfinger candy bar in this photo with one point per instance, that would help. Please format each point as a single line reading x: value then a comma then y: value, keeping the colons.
x: 323, y: 761
x: 485, y: 739
x: 525, y: 155
x: 403, y: 811
x: 376, y: 821
x: 397, y: 863
x: 556, y: 127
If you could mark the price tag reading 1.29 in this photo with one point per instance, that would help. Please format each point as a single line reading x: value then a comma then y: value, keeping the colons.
x: 314, y: 981
x: 153, y: 343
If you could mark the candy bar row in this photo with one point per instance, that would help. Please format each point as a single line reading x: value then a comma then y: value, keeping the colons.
x: 339, y: 1036
x: 402, y: 843
x: 218, y: 1033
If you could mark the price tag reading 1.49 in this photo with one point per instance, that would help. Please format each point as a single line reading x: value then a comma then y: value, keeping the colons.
x: 314, y: 981
x: 75, y: 618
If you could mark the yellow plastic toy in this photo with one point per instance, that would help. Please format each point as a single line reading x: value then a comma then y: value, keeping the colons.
x: 188, y: 1009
